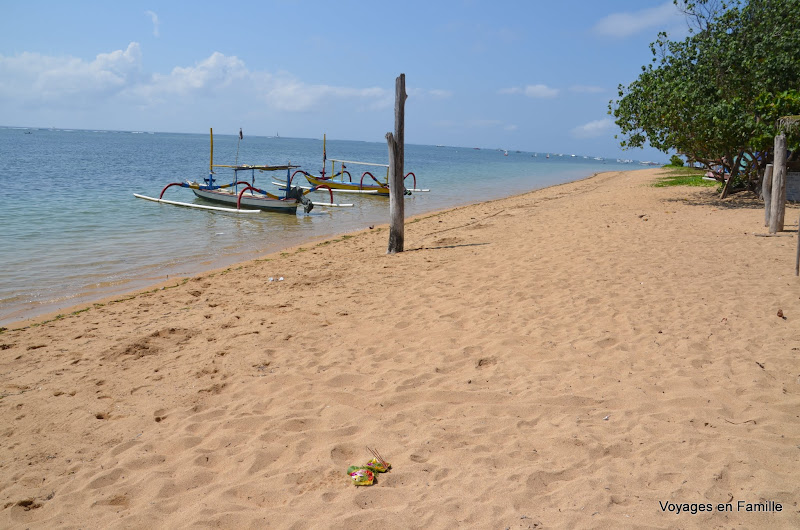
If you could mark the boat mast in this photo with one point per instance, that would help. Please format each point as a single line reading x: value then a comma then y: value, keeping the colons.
x: 237, y: 146
x: 211, y: 158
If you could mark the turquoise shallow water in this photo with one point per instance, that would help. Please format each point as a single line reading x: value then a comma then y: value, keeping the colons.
x: 72, y: 230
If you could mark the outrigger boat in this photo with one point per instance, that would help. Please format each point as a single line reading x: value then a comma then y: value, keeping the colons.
x: 241, y: 193
x: 336, y: 181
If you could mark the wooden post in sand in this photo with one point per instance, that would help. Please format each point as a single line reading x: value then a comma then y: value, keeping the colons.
x: 778, y: 209
x: 797, y: 257
x: 396, y: 155
x: 766, y: 192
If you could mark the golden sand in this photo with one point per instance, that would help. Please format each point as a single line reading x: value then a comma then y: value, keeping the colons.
x: 595, y: 354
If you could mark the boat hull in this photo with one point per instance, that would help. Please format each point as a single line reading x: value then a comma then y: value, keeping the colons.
x: 249, y: 200
x: 348, y: 186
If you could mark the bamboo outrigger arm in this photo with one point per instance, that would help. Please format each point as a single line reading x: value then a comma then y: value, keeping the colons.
x: 200, y: 206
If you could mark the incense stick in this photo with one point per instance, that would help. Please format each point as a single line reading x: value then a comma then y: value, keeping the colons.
x: 378, y: 457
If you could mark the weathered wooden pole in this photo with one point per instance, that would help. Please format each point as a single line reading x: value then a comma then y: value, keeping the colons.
x: 778, y: 209
x: 797, y: 257
x: 766, y: 192
x: 396, y: 157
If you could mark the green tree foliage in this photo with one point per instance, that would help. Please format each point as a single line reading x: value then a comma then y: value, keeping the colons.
x: 717, y: 96
x: 675, y: 161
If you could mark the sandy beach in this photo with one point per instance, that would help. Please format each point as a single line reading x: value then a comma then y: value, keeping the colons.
x: 599, y: 354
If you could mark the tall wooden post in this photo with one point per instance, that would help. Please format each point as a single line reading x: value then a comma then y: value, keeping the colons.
x: 766, y: 192
x: 797, y: 256
x: 778, y: 209
x: 396, y: 158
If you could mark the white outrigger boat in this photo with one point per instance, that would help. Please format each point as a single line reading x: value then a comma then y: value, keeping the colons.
x: 245, y: 196
x: 336, y: 181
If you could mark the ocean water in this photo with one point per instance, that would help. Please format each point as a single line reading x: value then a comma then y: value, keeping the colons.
x: 71, y: 230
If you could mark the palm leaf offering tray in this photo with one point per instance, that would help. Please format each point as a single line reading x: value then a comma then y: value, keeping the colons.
x: 365, y: 475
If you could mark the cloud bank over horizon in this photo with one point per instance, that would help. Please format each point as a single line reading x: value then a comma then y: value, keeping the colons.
x: 33, y: 79
x: 68, y: 84
x: 622, y: 25
x: 593, y: 129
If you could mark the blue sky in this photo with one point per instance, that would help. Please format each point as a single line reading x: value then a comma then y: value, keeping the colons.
x: 528, y: 75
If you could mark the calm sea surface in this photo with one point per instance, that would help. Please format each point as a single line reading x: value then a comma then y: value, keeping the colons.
x: 72, y: 231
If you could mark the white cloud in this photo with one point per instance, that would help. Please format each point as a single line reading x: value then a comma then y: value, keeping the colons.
x: 210, y: 75
x: 437, y: 93
x: 154, y: 18
x: 32, y: 77
x: 64, y: 83
x: 629, y: 23
x: 593, y: 129
x: 434, y: 93
x: 540, y: 91
x: 294, y: 95
x: 532, y: 91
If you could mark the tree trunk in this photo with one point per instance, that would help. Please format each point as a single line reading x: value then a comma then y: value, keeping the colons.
x: 766, y: 192
x: 734, y: 172
x: 396, y: 159
x: 778, y: 208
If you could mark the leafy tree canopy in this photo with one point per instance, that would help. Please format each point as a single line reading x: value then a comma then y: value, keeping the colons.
x: 717, y: 96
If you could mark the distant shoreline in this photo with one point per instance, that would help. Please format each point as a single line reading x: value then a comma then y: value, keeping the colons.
x: 267, y: 136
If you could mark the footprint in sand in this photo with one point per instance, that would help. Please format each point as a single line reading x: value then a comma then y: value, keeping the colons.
x: 154, y: 343
x: 342, y: 455
x: 106, y: 479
